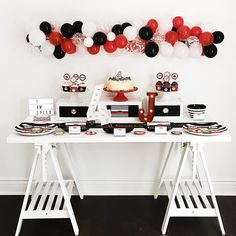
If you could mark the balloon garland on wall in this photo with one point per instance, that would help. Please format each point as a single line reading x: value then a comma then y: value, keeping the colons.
x: 167, y: 37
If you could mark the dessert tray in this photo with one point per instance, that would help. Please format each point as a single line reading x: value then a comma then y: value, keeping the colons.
x: 211, y: 130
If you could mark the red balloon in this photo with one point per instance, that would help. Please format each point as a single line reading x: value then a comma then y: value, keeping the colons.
x: 183, y: 32
x: 73, y: 50
x: 196, y: 31
x: 171, y: 37
x: 110, y: 46
x: 206, y: 38
x: 121, y: 41
x: 67, y: 46
x: 55, y: 38
x: 153, y: 24
x: 178, y: 21
x: 94, y: 49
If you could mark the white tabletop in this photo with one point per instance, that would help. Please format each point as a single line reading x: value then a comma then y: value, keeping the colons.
x: 102, y: 137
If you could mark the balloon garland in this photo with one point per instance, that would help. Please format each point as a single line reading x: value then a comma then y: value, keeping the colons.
x: 167, y: 37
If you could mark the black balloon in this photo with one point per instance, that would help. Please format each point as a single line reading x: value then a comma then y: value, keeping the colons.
x: 77, y: 26
x: 45, y: 27
x: 117, y: 29
x: 210, y: 51
x: 27, y: 38
x: 126, y: 24
x: 218, y: 37
x: 99, y: 38
x: 58, y: 53
x: 145, y: 33
x: 151, y: 49
x: 67, y: 30
x: 174, y: 29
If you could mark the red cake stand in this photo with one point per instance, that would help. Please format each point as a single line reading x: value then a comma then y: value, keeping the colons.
x: 120, y: 97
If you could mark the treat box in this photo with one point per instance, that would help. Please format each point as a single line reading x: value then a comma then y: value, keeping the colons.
x: 122, y: 112
x: 168, y: 110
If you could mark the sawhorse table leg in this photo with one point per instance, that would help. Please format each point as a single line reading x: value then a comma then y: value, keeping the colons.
x: 71, y: 165
x: 47, y: 200
x: 187, y: 197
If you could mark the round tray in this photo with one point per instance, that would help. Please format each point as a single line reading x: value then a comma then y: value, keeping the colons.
x: 205, y: 131
x: 120, y: 97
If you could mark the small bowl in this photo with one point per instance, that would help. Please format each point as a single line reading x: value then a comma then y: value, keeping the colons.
x: 109, y: 128
x: 196, y: 109
x: 196, y: 106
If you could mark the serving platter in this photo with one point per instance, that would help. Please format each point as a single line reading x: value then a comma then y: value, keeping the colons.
x: 211, y: 130
x: 34, y: 130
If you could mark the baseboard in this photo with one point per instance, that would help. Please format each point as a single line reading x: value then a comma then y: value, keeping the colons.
x: 115, y: 187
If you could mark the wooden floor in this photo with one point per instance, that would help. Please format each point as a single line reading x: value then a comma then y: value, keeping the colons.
x: 117, y: 216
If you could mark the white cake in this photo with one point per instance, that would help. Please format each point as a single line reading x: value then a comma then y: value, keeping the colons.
x: 119, y: 83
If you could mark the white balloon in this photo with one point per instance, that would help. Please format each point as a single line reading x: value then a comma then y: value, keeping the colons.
x: 105, y: 28
x: 89, y: 29
x: 88, y: 42
x: 138, y: 24
x: 181, y: 50
x: 47, y: 48
x: 111, y: 36
x: 195, y: 51
x: 165, y: 25
x: 166, y: 49
x: 130, y: 32
x: 37, y: 37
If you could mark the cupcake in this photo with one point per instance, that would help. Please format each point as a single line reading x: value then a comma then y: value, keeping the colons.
x: 74, y: 88
x: 159, y: 86
x: 166, y: 86
x: 66, y: 87
x: 174, y: 86
x: 82, y: 87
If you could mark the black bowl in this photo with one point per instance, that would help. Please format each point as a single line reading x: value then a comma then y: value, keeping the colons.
x: 196, y: 106
x: 109, y: 128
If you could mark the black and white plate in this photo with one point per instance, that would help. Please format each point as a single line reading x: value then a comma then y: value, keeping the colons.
x: 211, y: 130
x: 35, y: 130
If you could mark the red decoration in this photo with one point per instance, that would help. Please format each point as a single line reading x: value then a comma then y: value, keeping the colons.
x: 151, y: 107
x: 152, y: 24
x: 206, y: 38
x: 183, y: 32
x: 120, y: 96
x: 121, y: 41
x: 196, y: 31
x: 67, y: 46
x: 55, y: 38
x: 171, y: 37
x: 178, y: 21
x: 94, y: 49
x: 110, y: 47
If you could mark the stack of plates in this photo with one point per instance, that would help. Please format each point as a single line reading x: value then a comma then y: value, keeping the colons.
x: 198, y: 109
x: 205, y: 130
x: 35, y: 130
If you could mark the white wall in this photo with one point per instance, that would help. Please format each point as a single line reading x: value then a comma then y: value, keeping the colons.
x: 25, y: 75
